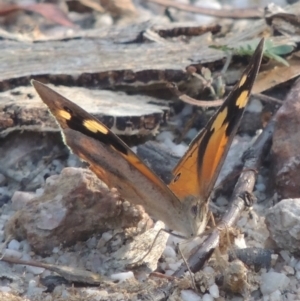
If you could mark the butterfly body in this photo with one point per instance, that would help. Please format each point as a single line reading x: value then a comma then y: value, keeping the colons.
x: 183, y: 203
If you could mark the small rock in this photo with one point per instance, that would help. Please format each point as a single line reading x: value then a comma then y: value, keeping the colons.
x: 4, y: 199
x: 286, y: 145
x: 2, y: 180
x: 189, y: 295
x: 260, y: 187
x: 91, y: 242
x: 236, y: 277
x: 174, y: 266
x: 283, y: 223
x: 272, y: 281
x: 214, y: 291
x: 207, y: 297
x: 221, y: 201
x: 297, y: 266
x: 169, y: 252
x: 34, y: 270
x: 288, y: 270
x: 20, y: 199
x: 276, y: 296
x: 74, y: 206
x: 5, y: 289
x: 13, y: 253
x: 255, y: 106
x: 14, y: 245
x: 122, y: 276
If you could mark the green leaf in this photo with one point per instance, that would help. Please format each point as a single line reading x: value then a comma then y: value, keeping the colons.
x: 271, y: 50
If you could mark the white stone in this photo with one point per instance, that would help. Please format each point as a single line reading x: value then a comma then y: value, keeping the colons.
x: 31, y: 287
x: 214, y: 291
x: 55, y: 250
x: 48, y: 297
x: 20, y: 199
x: 122, y: 276
x: 39, y: 191
x: 242, y: 222
x: 179, y: 149
x: 288, y: 270
x: 272, y: 281
x: 222, y: 201
x: 207, y: 297
x: 5, y: 289
x: 14, y: 245
x: 297, y: 266
x: 65, y: 295
x: 169, y: 272
x: 2, y: 179
x: 191, y: 134
x: 260, y: 187
x: 34, y: 270
x: 276, y: 296
x: 209, y: 270
x: 285, y: 255
x: 91, y: 242
x: 240, y: 242
x: 171, y: 260
x: 169, y: 252
x: 189, y: 295
x: 255, y: 106
x: 175, y: 266
x: 25, y: 246
x: 106, y: 236
x: 13, y: 253
x: 293, y: 262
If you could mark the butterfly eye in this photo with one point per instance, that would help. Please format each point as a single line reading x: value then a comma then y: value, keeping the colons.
x: 177, y: 177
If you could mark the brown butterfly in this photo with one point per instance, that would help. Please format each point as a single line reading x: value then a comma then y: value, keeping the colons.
x: 183, y: 203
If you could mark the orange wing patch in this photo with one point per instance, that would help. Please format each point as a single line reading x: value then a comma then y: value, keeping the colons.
x: 186, y: 180
x: 197, y: 171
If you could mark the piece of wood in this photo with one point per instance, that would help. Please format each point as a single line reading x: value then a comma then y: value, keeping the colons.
x: 22, y: 109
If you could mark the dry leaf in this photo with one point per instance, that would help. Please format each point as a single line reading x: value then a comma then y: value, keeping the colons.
x: 49, y: 11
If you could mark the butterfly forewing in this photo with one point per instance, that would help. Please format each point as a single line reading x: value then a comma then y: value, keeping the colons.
x: 113, y: 161
x: 197, y: 171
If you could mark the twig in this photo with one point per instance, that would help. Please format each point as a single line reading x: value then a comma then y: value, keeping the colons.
x: 250, y: 12
x: 192, y: 101
x: 217, y: 102
x: 69, y: 273
x: 245, y: 184
x: 267, y: 98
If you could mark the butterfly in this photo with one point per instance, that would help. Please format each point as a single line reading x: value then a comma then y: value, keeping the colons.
x: 182, y: 204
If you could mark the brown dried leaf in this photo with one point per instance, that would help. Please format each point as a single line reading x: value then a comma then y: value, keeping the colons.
x: 119, y: 8
x: 49, y: 11
x: 93, y: 4
x: 277, y: 75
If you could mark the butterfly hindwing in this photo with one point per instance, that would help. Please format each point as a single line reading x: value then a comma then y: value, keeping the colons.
x: 197, y: 171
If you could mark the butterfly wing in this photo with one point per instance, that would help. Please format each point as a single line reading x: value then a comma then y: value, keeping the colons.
x: 113, y: 161
x: 197, y: 171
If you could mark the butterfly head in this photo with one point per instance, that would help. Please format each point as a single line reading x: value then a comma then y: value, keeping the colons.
x: 198, y: 213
